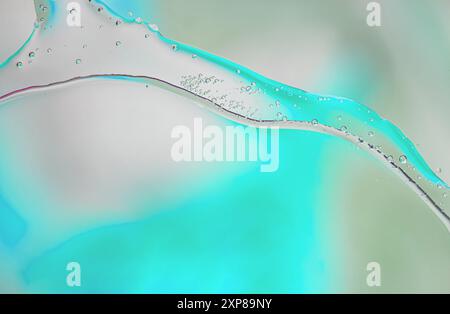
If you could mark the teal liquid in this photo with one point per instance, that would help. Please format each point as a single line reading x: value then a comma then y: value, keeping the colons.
x: 256, y: 100
x: 227, y: 88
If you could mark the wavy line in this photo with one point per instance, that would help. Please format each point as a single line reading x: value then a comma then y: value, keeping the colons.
x: 229, y: 89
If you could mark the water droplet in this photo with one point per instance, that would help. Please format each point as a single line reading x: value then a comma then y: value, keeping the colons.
x: 154, y: 27
x: 174, y: 47
x: 130, y: 14
x: 77, y: 61
x: 314, y: 121
x: 138, y: 20
x: 390, y: 158
x: 118, y: 43
x: 371, y: 133
x: 49, y: 50
x: 147, y: 35
x: 403, y: 159
x: 438, y: 170
x: 339, y: 118
x: 194, y: 56
x: 31, y: 54
x: 19, y: 64
x: 343, y: 128
x: 85, y: 46
x: 238, y: 71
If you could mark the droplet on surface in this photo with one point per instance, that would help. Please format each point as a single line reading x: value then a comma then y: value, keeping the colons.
x: 403, y: 159
x: 154, y: 27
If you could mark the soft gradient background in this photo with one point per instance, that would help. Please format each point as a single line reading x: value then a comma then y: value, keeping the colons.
x: 85, y: 173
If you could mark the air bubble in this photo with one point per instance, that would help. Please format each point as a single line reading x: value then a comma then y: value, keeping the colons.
x: 154, y: 27
x: 403, y: 159
x: 371, y: 134
x: 77, y: 61
x: 32, y: 54
x: 314, y: 121
x: 19, y: 64
x: 118, y: 43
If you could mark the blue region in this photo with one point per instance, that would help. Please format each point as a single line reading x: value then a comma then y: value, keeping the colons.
x: 12, y: 226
